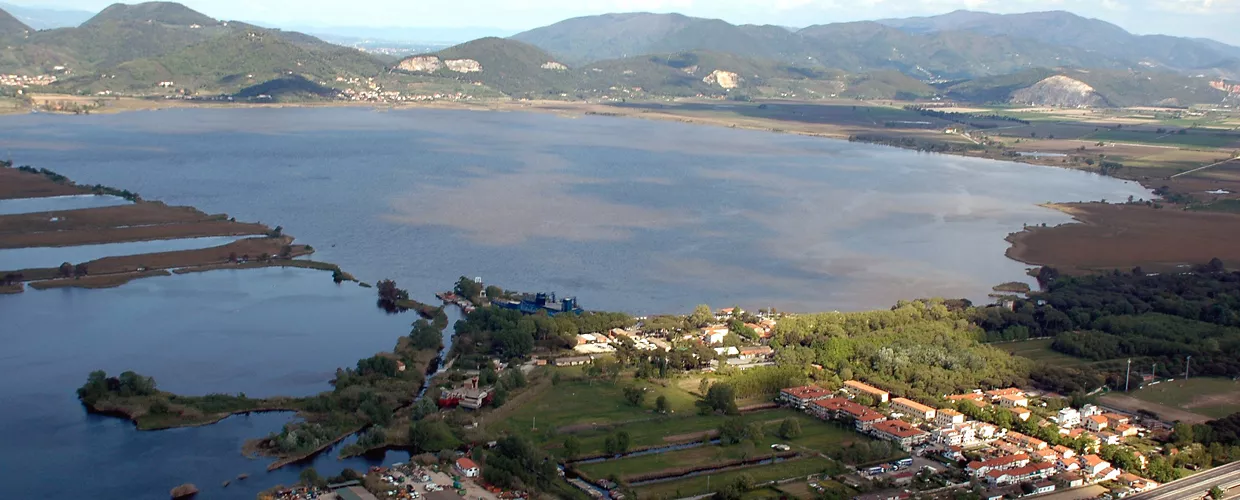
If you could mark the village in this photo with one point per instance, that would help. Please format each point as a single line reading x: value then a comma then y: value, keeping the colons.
x: 968, y: 442
x: 1007, y: 463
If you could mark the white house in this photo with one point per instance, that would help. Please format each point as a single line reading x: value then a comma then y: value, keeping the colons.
x: 468, y: 467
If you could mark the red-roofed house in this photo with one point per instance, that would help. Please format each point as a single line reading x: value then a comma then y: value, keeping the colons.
x: 855, y: 387
x: 1029, y: 472
x: 1096, y: 423
x: 468, y: 467
x: 979, y: 469
x: 802, y: 396
x: 913, y: 408
x: 900, y: 432
x: 1093, y: 464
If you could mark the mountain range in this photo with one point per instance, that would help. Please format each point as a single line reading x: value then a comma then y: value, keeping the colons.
x: 960, y: 44
x: 973, y: 56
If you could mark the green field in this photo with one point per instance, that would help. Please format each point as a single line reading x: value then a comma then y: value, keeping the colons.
x: 816, y: 437
x: 584, y: 403
x: 1190, y: 139
x: 1039, y: 350
x: 1212, y: 397
x: 698, y: 485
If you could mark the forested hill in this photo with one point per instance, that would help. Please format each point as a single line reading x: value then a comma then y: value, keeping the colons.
x: 10, y: 26
x: 957, y: 45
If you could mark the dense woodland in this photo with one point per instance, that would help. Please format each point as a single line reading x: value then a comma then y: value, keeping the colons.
x: 509, y: 334
x: 918, y: 349
x: 1116, y: 316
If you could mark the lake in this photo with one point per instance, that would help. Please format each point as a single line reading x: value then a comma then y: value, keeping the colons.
x: 633, y: 215
x: 264, y: 332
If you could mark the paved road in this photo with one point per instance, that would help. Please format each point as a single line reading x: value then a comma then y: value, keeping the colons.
x: 1195, y: 486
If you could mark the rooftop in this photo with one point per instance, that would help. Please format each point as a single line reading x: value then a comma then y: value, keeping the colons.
x: 806, y: 392
x: 898, y: 428
x: 864, y: 387
x: 912, y: 404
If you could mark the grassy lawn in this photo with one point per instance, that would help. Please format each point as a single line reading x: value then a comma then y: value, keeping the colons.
x: 1190, y: 139
x: 816, y: 437
x: 698, y: 485
x: 1039, y: 350
x: 1212, y: 397
x: 574, y: 402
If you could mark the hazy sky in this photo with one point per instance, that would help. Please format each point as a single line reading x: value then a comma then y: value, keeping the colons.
x: 1199, y: 18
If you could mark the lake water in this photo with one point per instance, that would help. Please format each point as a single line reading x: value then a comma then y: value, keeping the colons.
x: 633, y: 215
x: 53, y: 203
x: 35, y: 257
x: 263, y: 332
x: 629, y: 215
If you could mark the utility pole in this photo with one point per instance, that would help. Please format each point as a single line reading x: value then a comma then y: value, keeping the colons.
x: 1128, y: 375
x: 1187, y: 363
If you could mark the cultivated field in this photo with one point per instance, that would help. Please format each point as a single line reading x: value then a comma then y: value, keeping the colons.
x: 1212, y: 397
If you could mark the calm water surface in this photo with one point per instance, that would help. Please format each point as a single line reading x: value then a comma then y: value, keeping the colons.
x: 263, y: 332
x: 53, y: 203
x: 630, y: 215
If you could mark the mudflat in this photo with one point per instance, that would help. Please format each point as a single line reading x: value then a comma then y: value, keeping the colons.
x: 1126, y: 236
x: 138, y: 214
x: 17, y: 184
x: 130, y: 233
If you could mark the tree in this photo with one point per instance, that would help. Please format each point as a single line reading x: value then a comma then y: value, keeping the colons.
x: 80, y: 270
x: 66, y: 270
x: 634, y: 395
x: 703, y: 386
x: 732, y: 431
x: 469, y: 289
x: 1217, y: 493
x: 572, y: 447
x: 623, y: 441
x: 494, y: 292
x: 721, y: 398
x: 660, y: 404
x: 701, y: 316
x: 310, y: 477
x: 790, y: 429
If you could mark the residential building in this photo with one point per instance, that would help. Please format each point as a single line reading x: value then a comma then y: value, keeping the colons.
x: 1013, y: 400
x: 1125, y: 430
x: 1096, y: 423
x: 1135, y: 482
x: 1021, y: 412
x: 467, y: 467
x: 1108, y: 438
x: 984, y: 430
x: 972, y: 396
x: 900, y: 432
x: 1093, y: 464
x: 571, y: 361
x: 1043, y: 486
x: 948, y: 417
x: 955, y: 435
x: 1068, y: 417
x: 863, y: 417
x: 856, y: 388
x: 981, y: 468
x: 1070, y: 480
x: 998, y: 393
x: 1047, y: 455
x: 1115, y: 419
x: 1089, y: 411
x: 1107, y: 474
x: 913, y: 408
x: 1064, y: 451
x: 1031, y: 472
x: 1024, y: 441
x: 799, y: 397
x: 714, y: 335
